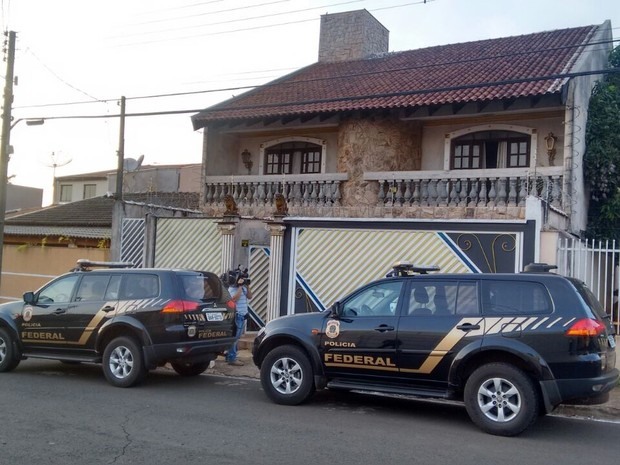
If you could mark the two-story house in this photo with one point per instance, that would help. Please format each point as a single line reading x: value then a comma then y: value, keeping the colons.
x: 467, y: 155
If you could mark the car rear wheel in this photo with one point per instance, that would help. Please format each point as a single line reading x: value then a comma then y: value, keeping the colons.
x: 501, y: 399
x: 9, y: 358
x: 123, y: 364
x: 286, y: 375
x: 189, y: 369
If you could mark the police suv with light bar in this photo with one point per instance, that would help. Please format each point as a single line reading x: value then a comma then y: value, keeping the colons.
x: 129, y: 320
x: 510, y: 346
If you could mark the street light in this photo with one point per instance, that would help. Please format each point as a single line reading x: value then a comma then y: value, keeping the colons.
x: 5, y: 150
x: 29, y: 121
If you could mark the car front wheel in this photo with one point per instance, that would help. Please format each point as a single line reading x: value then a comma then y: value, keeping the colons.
x: 189, y: 369
x: 501, y: 399
x: 286, y: 375
x: 123, y: 364
x: 9, y: 358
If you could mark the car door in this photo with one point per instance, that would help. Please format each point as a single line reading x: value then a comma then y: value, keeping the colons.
x: 360, y: 342
x: 439, y: 317
x: 44, y: 321
x: 94, y: 301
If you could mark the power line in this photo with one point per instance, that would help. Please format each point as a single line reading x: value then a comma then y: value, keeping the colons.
x: 243, y: 19
x: 344, y: 76
x: 59, y: 78
x: 269, y: 26
x: 350, y: 98
x: 208, y: 13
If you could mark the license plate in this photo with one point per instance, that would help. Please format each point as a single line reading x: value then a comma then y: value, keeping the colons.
x: 215, y: 316
x: 612, y: 341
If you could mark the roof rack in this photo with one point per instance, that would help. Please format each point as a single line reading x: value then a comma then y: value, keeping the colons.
x: 405, y: 268
x: 539, y: 268
x: 84, y: 264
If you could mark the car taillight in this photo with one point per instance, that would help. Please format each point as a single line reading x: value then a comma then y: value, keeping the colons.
x: 180, y: 306
x: 586, y: 327
x: 231, y: 304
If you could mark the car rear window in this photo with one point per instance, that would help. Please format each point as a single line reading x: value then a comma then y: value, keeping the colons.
x: 587, y: 295
x: 515, y: 297
x: 203, y: 286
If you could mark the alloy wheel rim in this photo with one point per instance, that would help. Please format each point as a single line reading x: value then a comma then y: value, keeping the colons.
x: 121, y: 362
x: 2, y: 350
x: 286, y: 376
x: 499, y: 400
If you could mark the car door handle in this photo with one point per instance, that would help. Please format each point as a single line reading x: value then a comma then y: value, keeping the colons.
x: 107, y: 308
x: 384, y: 328
x: 467, y: 327
x: 59, y: 311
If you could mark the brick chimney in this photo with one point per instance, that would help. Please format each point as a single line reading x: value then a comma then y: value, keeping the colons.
x: 352, y: 35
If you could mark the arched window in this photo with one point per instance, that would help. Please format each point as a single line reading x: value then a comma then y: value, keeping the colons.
x: 294, y: 157
x: 490, y: 149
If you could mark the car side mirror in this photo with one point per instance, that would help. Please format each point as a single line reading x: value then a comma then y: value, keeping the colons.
x: 29, y: 297
x: 335, y: 310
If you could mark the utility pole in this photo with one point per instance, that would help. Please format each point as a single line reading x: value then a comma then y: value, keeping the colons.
x: 121, y: 154
x: 6, y: 135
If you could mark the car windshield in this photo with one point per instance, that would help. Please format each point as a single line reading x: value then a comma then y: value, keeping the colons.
x: 203, y: 286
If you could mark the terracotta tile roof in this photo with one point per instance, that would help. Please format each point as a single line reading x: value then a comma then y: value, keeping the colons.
x: 430, y: 76
x: 97, y: 211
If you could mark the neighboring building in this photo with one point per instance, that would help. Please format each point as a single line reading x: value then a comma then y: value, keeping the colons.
x: 468, y: 155
x: 155, y: 178
x: 42, y: 244
x: 160, y: 178
x: 73, y: 188
x: 19, y: 198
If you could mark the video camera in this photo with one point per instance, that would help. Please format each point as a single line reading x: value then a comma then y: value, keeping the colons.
x: 232, y: 277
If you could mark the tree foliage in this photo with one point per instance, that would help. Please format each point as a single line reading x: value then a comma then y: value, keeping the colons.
x: 602, y: 155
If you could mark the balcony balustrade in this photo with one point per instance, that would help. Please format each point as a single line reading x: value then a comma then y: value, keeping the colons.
x: 320, y: 194
x: 312, y: 190
x: 470, y: 188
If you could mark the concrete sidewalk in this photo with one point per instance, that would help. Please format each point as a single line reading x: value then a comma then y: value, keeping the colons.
x: 609, y: 411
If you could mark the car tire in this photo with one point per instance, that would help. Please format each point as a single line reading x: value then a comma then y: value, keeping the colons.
x: 9, y: 358
x: 189, y: 369
x: 501, y: 399
x: 123, y: 363
x: 286, y: 375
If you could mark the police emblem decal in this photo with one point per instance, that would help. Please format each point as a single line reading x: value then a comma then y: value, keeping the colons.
x: 27, y: 314
x: 333, y: 329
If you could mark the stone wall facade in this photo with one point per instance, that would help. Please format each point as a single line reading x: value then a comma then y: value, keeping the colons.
x: 375, y: 144
x: 351, y: 35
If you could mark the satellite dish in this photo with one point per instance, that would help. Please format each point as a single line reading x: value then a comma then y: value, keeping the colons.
x: 131, y: 164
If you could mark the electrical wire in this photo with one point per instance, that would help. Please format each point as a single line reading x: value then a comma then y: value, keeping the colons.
x: 333, y: 78
x: 349, y: 98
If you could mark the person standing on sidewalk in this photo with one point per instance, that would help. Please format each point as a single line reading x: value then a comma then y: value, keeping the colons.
x: 241, y: 293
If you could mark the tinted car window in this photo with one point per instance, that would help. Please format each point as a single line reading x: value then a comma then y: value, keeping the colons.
x: 587, y: 295
x: 92, y: 287
x: 203, y: 286
x: 510, y: 297
x: 58, y: 291
x: 380, y: 299
x: 443, y: 298
x: 139, y: 286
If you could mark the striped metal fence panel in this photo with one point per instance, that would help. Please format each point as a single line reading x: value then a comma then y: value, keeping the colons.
x: 193, y: 243
x: 597, y: 264
x: 132, y: 241
x: 259, y: 273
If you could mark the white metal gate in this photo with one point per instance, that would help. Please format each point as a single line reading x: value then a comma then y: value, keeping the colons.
x: 597, y: 264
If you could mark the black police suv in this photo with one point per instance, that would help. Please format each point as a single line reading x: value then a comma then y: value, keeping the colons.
x: 510, y: 346
x: 129, y: 320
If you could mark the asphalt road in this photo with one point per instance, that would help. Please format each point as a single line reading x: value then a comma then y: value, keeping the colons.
x: 58, y: 414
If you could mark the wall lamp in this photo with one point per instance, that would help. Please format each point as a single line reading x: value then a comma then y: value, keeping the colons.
x: 246, y: 157
x: 550, y: 142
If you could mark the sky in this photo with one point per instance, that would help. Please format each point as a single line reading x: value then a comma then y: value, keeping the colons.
x: 74, y: 60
